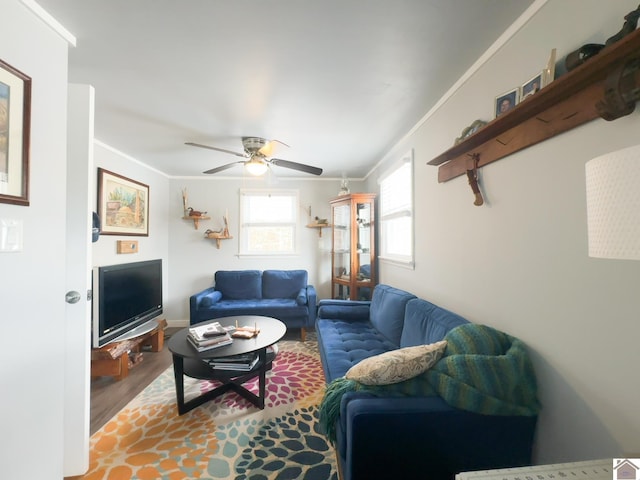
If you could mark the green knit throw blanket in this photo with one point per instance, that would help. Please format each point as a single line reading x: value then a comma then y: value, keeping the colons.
x: 482, y: 370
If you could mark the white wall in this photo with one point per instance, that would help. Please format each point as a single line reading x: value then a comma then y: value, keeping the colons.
x: 195, y: 259
x: 520, y: 262
x: 32, y: 282
x: 156, y: 245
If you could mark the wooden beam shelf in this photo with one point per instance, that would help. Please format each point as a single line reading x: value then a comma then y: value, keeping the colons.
x: 196, y: 219
x: 607, y: 86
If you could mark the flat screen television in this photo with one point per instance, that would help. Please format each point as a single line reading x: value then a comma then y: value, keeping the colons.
x: 126, y: 300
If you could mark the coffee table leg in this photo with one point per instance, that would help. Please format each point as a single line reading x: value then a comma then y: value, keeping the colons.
x: 178, y: 373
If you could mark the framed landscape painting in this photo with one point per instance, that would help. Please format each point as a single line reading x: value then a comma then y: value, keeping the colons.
x: 123, y: 205
x: 15, y: 122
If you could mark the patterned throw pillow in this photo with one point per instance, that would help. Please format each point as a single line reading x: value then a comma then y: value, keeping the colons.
x: 397, y: 365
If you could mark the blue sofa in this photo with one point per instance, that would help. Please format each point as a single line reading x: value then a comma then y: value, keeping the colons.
x: 281, y: 294
x: 383, y: 437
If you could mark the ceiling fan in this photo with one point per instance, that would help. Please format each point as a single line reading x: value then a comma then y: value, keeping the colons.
x: 257, y: 152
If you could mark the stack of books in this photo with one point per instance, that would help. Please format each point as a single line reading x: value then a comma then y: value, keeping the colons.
x: 243, y: 362
x: 206, y: 337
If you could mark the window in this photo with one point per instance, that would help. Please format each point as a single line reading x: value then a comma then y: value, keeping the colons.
x: 396, y: 213
x: 268, y: 222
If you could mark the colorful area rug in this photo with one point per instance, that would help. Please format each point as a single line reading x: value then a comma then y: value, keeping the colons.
x: 226, y: 438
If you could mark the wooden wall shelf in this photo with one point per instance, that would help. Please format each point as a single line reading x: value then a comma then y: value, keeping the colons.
x: 573, y: 99
x: 196, y: 219
x: 217, y: 237
x: 319, y: 226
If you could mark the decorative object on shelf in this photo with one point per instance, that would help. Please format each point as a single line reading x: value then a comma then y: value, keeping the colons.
x: 472, y: 175
x: 470, y: 130
x: 185, y: 202
x: 195, y: 213
x: 123, y: 205
x: 630, y: 24
x: 549, y: 72
x: 222, y: 234
x: 568, y: 102
x: 506, y: 101
x: 15, y: 124
x: 344, y: 187
x: 613, y: 204
x: 621, y: 91
x: 581, y: 55
x: 532, y: 86
x: 321, y: 221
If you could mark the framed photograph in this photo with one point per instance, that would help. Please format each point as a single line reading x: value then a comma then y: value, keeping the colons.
x: 123, y: 205
x: 507, y: 101
x: 532, y: 86
x: 15, y: 122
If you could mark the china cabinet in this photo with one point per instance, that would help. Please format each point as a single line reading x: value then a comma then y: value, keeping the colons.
x: 353, y: 259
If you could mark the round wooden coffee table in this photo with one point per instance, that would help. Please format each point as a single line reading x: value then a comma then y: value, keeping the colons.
x: 187, y: 361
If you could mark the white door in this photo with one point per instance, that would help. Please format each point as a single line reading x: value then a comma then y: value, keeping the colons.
x: 80, y: 188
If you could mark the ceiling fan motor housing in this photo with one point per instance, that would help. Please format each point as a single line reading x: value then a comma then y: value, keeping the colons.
x: 253, y: 144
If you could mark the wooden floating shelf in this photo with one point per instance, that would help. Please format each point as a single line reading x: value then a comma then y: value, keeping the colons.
x: 196, y: 219
x: 572, y: 100
x: 319, y: 226
x: 217, y: 237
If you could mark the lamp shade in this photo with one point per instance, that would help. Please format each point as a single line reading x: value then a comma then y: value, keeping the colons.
x: 613, y: 204
x: 256, y: 167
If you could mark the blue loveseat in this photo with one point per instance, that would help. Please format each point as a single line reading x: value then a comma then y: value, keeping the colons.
x: 383, y: 437
x: 281, y: 294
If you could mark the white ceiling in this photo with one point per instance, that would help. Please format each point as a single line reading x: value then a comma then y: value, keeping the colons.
x: 339, y: 81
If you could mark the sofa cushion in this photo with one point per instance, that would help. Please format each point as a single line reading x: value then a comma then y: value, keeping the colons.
x: 397, y: 365
x: 210, y: 299
x: 426, y: 323
x: 387, y: 311
x: 343, y: 344
x: 239, y: 284
x: 283, y: 283
x: 280, y: 308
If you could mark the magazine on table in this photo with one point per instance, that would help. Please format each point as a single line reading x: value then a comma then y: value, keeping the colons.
x: 210, y: 331
x: 244, y: 362
x: 202, y: 343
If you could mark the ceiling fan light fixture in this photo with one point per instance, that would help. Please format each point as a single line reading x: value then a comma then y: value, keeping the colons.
x: 256, y: 166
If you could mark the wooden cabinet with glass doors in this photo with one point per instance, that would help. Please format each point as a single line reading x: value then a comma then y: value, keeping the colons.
x: 353, y: 267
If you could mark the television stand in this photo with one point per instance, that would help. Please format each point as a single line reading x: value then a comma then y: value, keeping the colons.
x: 116, y: 358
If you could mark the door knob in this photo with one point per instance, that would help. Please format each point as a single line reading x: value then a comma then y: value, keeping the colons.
x: 72, y: 297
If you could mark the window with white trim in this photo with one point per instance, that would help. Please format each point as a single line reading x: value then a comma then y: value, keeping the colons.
x: 396, y: 212
x: 268, y: 222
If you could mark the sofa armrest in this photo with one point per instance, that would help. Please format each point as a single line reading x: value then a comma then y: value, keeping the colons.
x: 424, y: 434
x: 344, y: 309
x: 201, y: 300
x: 312, y: 300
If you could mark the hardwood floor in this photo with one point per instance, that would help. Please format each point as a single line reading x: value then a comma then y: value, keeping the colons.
x: 109, y: 396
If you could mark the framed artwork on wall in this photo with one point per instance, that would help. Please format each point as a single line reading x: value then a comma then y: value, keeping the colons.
x: 123, y: 205
x: 15, y: 123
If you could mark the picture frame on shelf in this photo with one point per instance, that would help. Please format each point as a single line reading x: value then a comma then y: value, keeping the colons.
x: 15, y: 127
x: 506, y: 101
x: 123, y: 205
x: 532, y: 86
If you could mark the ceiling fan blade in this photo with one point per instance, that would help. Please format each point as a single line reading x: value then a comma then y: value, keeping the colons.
x: 296, y: 166
x: 271, y: 147
x: 216, y: 148
x: 223, y: 167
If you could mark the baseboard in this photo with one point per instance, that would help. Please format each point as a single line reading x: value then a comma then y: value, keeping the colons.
x: 177, y: 323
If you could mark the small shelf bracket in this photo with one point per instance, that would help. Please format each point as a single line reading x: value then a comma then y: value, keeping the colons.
x: 472, y: 175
